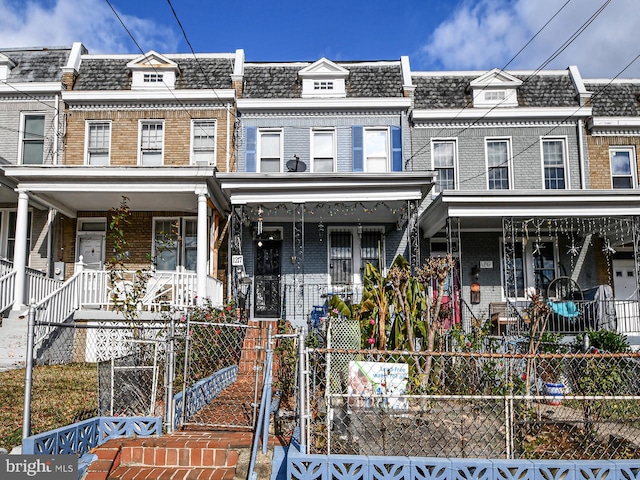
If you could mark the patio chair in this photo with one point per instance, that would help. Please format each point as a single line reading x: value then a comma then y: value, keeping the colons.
x: 563, y: 297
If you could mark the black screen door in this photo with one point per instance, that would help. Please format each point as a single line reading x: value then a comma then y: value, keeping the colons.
x: 267, y: 279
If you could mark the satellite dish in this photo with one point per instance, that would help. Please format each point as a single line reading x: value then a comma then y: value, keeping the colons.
x: 295, y: 165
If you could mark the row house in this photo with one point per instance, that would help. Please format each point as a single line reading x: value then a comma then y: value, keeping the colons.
x: 515, y: 198
x: 31, y: 133
x: 321, y: 187
x: 275, y: 183
x: 147, y: 132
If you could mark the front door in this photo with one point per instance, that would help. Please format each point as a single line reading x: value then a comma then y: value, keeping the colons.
x: 267, y: 279
x: 90, y: 247
x: 625, y: 291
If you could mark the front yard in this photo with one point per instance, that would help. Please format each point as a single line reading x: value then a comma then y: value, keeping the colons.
x: 63, y: 394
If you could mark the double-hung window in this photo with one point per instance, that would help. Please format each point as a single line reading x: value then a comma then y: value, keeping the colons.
x: 98, y: 142
x: 175, y: 244
x: 270, y: 150
x: 554, y: 164
x: 350, y: 249
x: 444, y: 162
x: 498, y: 164
x: 203, y: 143
x: 535, y: 266
x: 10, y: 228
x: 33, y: 140
x: 151, y: 142
x: 376, y: 150
x: 323, y: 150
x: 623, y: 167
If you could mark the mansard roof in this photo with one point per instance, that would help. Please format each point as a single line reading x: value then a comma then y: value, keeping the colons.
x: 281, y: 80
x: 445, y: 90
x: 98, y: 72
x: 618, y: 98
x: 36, y: 64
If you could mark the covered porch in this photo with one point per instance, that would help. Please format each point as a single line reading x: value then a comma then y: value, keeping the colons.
x: 577, y: 249
x: 172, y: 225
x: 297, y: 239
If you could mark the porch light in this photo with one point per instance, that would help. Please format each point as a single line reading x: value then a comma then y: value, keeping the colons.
x: 321, y: 231
x: 260, y: 213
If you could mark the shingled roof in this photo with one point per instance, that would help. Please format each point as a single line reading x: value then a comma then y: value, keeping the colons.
x: 619, y: 99
x: 441, y: 91
x: 37, y: 64
x: 102, y: 73
x: 366, y: 79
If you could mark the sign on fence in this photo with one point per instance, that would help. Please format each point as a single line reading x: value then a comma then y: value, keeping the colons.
x: 378, y: 384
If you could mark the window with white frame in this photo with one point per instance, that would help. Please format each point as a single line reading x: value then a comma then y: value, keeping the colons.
x: 376, y: 150
x: 8, y: 225
x: 175, y: 244
x: 350, y: 249
x: 536, y: 265
x: 323, y: 150
x: 444, y: 162
x: 203, y: 142
x: 152, y: 77
x: 323, y: 85
x: 151, y: 142
x: 98, y: 143
x: 270, y: 150
x: 623, y: 167
x: 33, y: 139
x: 498, y: 164
x: 554, y: 166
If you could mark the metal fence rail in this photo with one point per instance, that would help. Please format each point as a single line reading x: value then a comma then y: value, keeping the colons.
x: 464, y: 404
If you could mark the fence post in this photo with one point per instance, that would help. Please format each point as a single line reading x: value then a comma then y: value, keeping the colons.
x: 301, y: 394
x: 170, y: 373
x: 28, y: 379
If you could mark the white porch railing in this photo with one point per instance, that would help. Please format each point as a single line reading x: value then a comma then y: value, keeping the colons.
x: 57, y: 306
x: 7, y: 286
x: 5, y: 266
x: 175, y: 289
x: 39, y: 286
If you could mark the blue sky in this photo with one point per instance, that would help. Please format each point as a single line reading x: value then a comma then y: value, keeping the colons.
x: 435, y: 34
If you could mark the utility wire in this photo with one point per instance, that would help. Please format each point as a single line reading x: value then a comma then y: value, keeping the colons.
x: 156, y: 71
x: 557, y: 52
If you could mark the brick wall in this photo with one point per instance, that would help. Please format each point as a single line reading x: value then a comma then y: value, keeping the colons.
x: 600, y: 171
x: 124, y: 135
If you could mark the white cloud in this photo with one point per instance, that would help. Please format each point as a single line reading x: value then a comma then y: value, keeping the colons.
x: 92, y: 22
x: 487, y: 33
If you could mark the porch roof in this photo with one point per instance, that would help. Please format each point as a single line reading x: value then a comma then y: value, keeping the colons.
x: 484, y: 210
x: 367, y: 190
x: 70, y: 189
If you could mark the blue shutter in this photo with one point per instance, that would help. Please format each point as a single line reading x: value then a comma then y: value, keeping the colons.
x: 357, y: 139
x: 250, y: 151
x: 396, y: 149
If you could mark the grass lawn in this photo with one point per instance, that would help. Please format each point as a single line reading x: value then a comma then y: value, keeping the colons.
x: 61, y: 394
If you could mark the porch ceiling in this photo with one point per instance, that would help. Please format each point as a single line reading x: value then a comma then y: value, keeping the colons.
x: 336, y: 197
x: 483, y: 209
x: 71, y: 189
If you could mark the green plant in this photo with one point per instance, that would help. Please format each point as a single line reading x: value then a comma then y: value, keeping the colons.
x: 606, y: 340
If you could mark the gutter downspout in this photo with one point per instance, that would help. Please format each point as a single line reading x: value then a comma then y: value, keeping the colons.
x: 581, y: 163
x: 56, y: 131
x: 228, y: 140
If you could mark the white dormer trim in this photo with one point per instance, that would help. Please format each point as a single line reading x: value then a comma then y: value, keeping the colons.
x: 152, y: 71
x: 495, y: 88
x: 6, y: 64
x: 324, y: 79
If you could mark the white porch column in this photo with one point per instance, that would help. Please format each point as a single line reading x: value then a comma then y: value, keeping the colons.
x: 201, y: 248
x: 20, y: 250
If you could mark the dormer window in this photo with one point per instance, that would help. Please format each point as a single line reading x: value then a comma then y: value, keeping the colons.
x: 152, y: 70
x: 6, y: 64
x: 152, y: 78
x: 323, y: 85
x: 495, y: 89
x: 323, y: 79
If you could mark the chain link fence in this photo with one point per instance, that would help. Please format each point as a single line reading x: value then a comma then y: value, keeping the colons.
x: 563, y: 405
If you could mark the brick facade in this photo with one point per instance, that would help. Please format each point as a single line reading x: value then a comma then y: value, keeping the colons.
x: 600, y: 171
x: 125, y: 141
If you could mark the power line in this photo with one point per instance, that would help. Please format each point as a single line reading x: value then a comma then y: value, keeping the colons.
x: 571, y: 39
x: 156, y: 71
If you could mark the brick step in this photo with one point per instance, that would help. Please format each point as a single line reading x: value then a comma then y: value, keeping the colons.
x: 171, y: 473
x: 175, y: 452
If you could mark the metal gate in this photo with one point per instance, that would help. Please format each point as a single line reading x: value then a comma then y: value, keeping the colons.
x: 222, y: 365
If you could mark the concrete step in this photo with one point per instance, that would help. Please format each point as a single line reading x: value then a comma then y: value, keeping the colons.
x: 13, y: 343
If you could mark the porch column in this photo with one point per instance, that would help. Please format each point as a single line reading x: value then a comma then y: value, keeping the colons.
x: 201, y: 249
x: 20, y: 251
